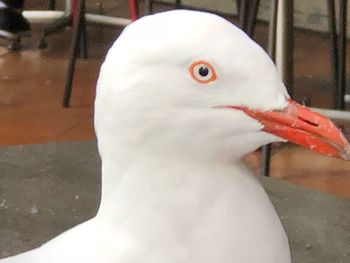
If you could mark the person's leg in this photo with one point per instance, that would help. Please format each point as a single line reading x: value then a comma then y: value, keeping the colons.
x: 12, y: 23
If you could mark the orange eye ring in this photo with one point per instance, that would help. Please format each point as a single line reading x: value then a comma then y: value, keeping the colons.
x: 202, y: 72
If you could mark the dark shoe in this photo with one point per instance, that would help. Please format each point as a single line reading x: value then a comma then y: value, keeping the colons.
x: 13, y: 24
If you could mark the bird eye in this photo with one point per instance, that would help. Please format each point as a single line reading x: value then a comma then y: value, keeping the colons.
x: 202, y: 72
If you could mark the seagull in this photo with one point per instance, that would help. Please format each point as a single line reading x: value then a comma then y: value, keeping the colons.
x: 181, y: 97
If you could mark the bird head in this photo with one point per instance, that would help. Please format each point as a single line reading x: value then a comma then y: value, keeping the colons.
x: 193, y: 84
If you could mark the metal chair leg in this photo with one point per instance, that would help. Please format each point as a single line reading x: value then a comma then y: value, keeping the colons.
x: 54, y: 28
x: 77, y: 30
x: 251, y: 17
x: 134, y: 9
x: 289, y: 46
x: 271, y: 49
x: 334, y: 40
x: 243, y: 14
x: 148, y: 7
x: 266, y: 149
x: 248, y: 11
x: 338, y: 51
x: 341, y: 88
x: 178, y: 4
x: 266, y: 159
x: 83, y: 49
x: 238, y: 7
x: 52, y: 5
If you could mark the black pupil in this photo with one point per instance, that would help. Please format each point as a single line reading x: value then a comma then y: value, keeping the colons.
x: 203, y: 71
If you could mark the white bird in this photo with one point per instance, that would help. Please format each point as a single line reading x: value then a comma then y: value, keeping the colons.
x: 181, y: 97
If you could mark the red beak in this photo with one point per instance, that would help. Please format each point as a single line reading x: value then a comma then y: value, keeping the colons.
x: 302, y: 126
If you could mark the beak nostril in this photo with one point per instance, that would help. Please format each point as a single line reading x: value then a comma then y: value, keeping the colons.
x: 308, y: 121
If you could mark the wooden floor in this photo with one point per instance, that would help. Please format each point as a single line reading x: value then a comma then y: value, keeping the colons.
x: 32, y: 81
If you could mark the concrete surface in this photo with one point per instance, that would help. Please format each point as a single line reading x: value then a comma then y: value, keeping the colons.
x: 46, y: 189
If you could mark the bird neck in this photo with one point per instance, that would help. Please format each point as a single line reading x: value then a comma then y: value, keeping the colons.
x: 145, y: 179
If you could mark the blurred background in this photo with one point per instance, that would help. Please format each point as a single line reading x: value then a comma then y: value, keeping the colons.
x: 32, y: 82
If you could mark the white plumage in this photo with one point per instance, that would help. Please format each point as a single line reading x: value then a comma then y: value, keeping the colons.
x: 174, y: 189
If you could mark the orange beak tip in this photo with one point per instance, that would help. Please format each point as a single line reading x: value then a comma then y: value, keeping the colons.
x: 300, y: 125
